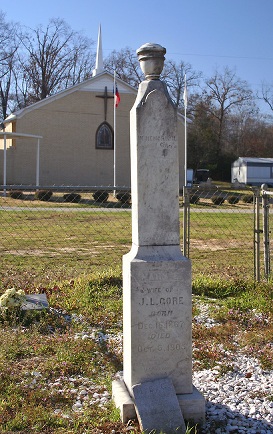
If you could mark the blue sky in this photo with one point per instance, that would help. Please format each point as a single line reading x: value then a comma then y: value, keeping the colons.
x: 208, y: 34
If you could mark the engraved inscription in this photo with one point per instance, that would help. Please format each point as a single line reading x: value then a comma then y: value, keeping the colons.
x: 160, y: 347
x: 161, y: 139
x: 162, y: 318
x: 152, y: 301
x: 150, y: 290
x: 157, y: 276
x: 166, y: 325
x: 163, y: 142
x: 159, y: 335
x: 149, y: 389
x: 161, y: 292
x: 160, y: 330
x: 162, y: 313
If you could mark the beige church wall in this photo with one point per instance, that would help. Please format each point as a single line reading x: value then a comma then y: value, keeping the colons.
x: 123, y: 163
x: 67, y: 152
x: 68, y: 155
x: 9, y: 142
x: 21, y: 162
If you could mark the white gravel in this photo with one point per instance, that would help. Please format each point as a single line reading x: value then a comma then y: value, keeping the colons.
x: 83, y: 390
x: 240, y: 401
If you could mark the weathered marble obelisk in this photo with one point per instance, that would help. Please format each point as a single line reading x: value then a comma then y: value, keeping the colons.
x: 156, y: 276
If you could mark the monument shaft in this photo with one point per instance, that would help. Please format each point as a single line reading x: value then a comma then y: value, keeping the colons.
x: 155, y: 168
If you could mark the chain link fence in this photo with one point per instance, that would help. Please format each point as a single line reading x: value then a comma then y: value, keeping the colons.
x: 65, y: 231
x: 219, y: 232
x: 266, y: 200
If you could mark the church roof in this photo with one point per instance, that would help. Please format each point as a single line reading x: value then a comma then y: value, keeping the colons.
x: 94, y: 84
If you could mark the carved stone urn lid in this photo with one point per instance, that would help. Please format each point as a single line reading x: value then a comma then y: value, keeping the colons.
x: 151, y: 57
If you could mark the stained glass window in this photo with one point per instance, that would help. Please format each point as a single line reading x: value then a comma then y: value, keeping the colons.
x: 104, y: 136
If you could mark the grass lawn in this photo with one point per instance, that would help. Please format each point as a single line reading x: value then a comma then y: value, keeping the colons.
x: 56, y: 367
x: 68, y: 241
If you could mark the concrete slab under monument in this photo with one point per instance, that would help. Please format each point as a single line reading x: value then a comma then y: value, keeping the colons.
x: 192, y: 404
x: 123, y: 401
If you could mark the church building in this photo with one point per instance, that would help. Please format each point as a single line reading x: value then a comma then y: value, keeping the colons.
x: 85, y: 136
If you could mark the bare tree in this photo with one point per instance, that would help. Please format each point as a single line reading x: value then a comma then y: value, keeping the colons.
x: 126, y: 65
x: 5, y: 85
x: 82, y: 60
x: 174, y: 75
x: 202, y: 136
x: 8, y: 47
x: 267, y: 94
x: 223, y: 93
x: 54, y: 58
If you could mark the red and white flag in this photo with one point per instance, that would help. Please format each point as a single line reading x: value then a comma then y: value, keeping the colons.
x: 117, y: 97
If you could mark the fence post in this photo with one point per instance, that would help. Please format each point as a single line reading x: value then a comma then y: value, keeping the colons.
x: 265, y: 207
x: 257, y: 232
x: 186, y: 223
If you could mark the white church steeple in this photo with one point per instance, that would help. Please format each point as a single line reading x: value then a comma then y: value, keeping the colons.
x: 99, y: 58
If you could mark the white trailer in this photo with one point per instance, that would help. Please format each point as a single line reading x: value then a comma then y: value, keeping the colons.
x: 252, y: 171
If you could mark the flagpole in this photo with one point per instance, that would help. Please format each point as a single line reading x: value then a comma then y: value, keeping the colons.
x: 114, y: 133
x: 185, y: 122
x: 186, y: 214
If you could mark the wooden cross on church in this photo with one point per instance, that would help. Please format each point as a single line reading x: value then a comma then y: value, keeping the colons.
x: 105, y: 96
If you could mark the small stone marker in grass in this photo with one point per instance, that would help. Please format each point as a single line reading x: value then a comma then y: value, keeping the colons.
x: 35, y: 302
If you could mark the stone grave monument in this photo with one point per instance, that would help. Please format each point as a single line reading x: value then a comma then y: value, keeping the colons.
x: 157, y: 302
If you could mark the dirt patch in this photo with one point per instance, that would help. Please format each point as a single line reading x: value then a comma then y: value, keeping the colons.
x: 62, y: 251
x: 213, y: 244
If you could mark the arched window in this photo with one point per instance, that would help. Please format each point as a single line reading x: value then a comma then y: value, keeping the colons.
x: 104, y: 137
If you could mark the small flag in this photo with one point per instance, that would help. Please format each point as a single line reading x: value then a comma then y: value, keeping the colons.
x: 117, y: 97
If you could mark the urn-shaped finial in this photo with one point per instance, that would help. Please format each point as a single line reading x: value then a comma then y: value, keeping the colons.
x: 151, y: 58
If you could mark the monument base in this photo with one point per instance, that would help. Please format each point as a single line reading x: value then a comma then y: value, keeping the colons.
x: 157, y: 316
x: 192, y: 404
